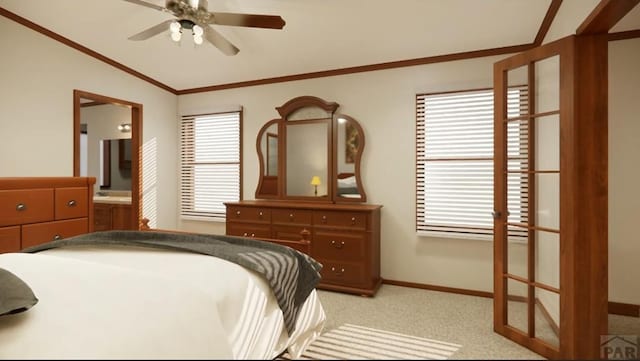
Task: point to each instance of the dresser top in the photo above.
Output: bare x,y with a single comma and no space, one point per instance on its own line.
306,205
7,183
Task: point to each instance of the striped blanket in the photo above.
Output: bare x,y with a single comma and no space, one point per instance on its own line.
292,275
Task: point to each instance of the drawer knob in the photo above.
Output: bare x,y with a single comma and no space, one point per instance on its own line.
253,234
337,245
291,215
260,214
57,237
237,213
353,220
21,207
324,219
245,234
71,203
336,272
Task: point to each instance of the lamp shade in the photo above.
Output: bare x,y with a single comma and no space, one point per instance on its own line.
315,181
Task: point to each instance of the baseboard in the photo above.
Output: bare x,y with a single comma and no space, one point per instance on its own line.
461,291
624,309
615,308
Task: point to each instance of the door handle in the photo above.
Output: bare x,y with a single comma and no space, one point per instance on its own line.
498,214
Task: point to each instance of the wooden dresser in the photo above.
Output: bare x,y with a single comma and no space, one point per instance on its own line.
36,210
345,238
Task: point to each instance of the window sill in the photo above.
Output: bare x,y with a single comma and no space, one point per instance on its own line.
474,237
202,218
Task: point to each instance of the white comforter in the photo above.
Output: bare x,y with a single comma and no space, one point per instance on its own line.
130,302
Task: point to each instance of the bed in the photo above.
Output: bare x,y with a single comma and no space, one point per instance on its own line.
347,186
99,297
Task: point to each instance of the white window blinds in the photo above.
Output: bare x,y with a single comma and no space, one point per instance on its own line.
209,163
454,145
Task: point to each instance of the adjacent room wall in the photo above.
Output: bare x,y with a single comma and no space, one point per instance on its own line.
38,76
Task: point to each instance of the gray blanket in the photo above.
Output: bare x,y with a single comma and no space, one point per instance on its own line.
292,275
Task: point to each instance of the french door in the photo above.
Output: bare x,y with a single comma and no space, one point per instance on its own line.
549,247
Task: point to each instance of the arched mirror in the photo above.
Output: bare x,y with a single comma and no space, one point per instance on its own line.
107,137
310,153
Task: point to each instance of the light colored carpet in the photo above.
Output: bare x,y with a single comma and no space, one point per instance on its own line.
459,319
354,342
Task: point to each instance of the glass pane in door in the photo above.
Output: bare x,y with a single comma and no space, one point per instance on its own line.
547,84
547,200
547,260
517,314
547,142
547,316
517,248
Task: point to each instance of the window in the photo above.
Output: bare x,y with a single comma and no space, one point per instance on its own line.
209,163
454,162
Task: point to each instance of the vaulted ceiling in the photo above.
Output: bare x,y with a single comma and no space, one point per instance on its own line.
319,35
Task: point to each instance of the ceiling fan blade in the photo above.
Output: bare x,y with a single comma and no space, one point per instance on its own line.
250,20
154,30
219,41
149,5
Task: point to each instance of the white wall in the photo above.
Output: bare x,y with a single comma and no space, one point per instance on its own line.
38,76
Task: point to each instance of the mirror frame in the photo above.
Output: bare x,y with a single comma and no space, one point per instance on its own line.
275,186
136,141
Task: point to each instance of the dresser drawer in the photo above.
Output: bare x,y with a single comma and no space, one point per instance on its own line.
71,202
249,214
25,206
354,220
248,230
291,216
290,233
34,234
297,245
347,274
336,246
10,239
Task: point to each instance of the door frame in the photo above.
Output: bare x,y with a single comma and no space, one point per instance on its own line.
583,117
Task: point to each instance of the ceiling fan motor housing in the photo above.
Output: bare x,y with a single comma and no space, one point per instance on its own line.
183,9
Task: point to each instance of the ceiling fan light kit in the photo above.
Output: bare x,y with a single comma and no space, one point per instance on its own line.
175,29
194,15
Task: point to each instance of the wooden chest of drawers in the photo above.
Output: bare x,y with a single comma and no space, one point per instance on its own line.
345,238
35,210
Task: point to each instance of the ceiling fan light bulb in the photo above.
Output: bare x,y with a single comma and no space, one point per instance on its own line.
176,36
197,30
197,39
175,27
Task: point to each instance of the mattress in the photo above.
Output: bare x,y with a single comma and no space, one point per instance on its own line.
117,302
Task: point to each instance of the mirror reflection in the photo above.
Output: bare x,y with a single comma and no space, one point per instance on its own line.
307,152
272,154
115,164
105,145
348,145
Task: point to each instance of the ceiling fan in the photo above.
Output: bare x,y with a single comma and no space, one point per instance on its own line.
194,15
